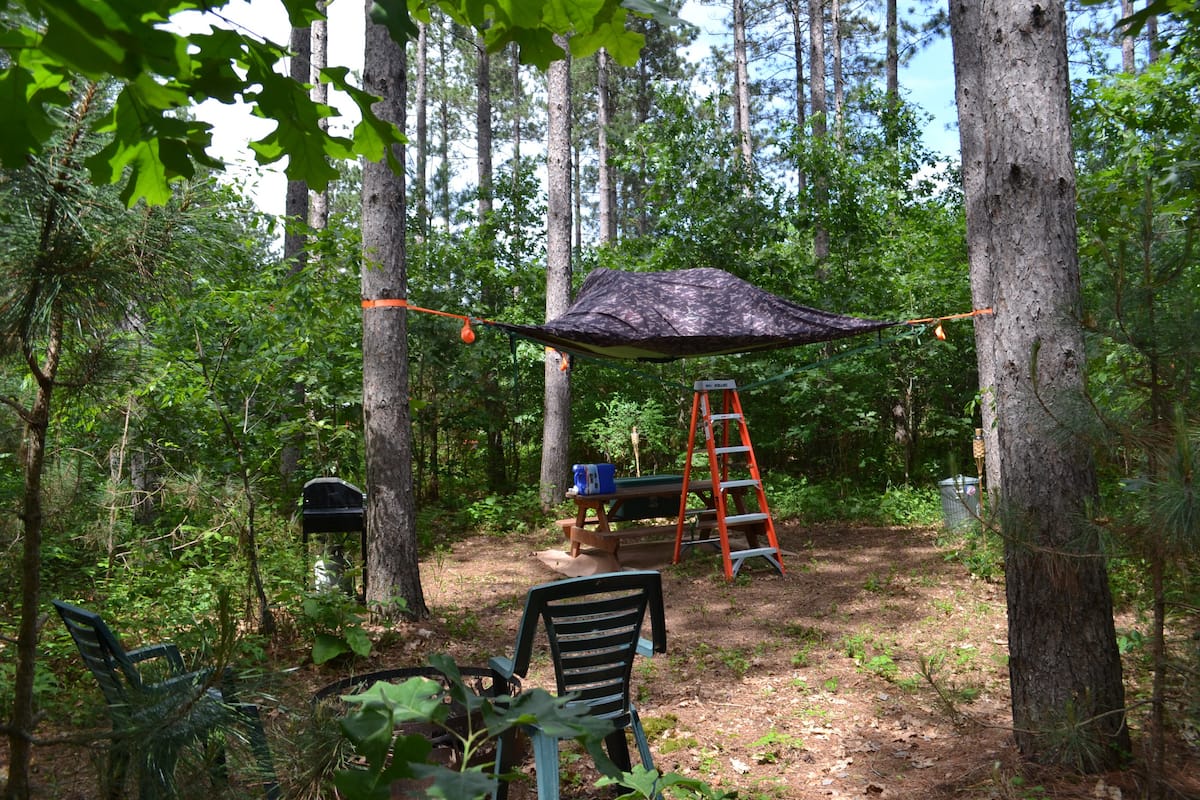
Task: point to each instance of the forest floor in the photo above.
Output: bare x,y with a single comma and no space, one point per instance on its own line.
805,685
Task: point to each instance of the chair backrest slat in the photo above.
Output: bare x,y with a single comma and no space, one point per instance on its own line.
103,655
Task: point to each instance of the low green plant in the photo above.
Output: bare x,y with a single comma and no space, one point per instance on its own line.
978,549
336,624
772,745
388,756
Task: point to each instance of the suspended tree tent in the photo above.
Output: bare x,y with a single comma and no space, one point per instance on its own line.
660,316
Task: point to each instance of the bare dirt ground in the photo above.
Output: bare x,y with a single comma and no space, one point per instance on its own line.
805,685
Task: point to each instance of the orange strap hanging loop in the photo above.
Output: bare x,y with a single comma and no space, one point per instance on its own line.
976,313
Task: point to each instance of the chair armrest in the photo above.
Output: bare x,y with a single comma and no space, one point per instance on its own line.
185,680
502,666
165,650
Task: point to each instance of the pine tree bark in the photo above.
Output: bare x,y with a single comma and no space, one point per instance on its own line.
421,102
742,84
839,80
817,86
968,74
1064,668
556,426
392,567
793,7
295,210
37,424
605,187
483,127
892,69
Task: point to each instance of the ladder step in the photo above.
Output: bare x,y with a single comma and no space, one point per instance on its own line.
738,484
745,519
737,448
771,554
723,417
757,551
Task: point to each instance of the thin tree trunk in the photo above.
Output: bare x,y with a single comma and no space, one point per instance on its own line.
295,237
640,211
392,565
318,210
444,140
839,81
801,100
1064,668
483,127
892,70
1152,37
37,423
816,66
576,201
518,94
421,101
1127,42
742,85
557,419
606,188
968,74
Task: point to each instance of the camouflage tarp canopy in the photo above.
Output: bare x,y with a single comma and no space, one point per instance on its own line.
659,316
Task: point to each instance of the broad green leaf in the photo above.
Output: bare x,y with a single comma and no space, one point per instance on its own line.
393,15
327,646
359,642
27,124
370,731
361,784
451,784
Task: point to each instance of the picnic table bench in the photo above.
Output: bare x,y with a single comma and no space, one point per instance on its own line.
603,521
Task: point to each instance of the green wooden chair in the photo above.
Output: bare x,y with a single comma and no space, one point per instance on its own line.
154,718
593,625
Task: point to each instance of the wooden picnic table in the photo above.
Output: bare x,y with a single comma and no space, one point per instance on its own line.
603,521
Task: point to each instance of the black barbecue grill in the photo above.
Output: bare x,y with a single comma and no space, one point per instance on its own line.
331,505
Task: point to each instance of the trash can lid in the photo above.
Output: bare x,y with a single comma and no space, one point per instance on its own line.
959,480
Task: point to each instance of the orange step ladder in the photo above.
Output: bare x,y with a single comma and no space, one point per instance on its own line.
729,458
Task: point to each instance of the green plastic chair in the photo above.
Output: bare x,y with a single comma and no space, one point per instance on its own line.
153,720
593,625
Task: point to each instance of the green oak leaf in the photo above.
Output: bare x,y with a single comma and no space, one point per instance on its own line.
393,15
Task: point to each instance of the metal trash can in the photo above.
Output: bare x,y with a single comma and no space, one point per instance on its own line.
960,500
333,506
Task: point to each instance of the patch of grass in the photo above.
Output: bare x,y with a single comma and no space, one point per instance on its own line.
674,744
656,726
883,666
770,747
879,585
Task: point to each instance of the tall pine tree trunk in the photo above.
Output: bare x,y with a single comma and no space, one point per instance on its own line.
892,70
742,85
1064,668
968,73
295,237
421,102
556,426
793,7
37,423
392,567
816,66
839,80
606,187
